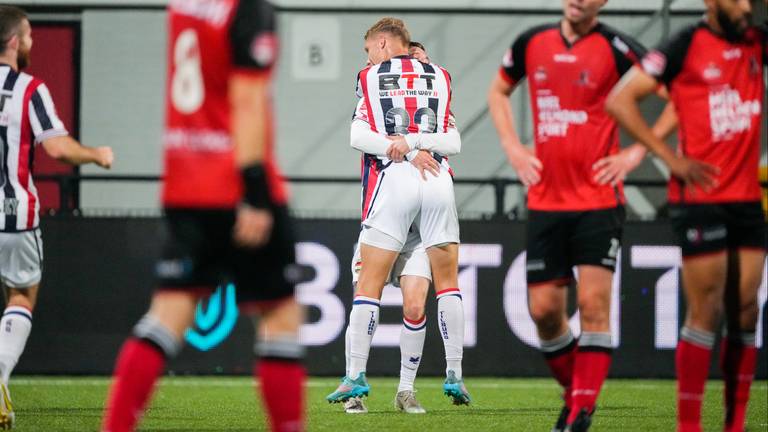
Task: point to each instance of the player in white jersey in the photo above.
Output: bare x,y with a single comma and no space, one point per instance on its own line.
406,108
27,118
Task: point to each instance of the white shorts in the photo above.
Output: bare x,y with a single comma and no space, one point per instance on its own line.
21,258
403,199
412,261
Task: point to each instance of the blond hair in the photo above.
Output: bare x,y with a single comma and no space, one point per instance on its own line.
393,26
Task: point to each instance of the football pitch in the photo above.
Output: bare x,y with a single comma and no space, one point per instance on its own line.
500,404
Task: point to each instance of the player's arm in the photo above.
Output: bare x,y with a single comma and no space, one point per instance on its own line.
250,114
66,149
407,147
613,169
624,104
363,139
512,71
49,130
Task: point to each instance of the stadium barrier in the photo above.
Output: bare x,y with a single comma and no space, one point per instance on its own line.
99,275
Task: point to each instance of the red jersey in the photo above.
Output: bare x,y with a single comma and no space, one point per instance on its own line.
209,42
717,88
568,86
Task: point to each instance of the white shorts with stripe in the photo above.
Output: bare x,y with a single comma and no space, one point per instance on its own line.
402,199
412,261
21,258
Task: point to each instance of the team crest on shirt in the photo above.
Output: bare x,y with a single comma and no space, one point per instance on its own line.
712,72
264,49
584,80
654,63
507,61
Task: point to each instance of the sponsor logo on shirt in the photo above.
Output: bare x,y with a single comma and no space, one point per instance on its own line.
728,114
214,11
264,49
565,58
732,54
553,121
540,75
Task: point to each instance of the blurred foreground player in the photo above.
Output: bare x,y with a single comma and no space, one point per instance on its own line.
225,209
714,72
27,118
575,193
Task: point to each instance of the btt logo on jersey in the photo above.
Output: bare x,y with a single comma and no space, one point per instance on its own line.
389,85
214,322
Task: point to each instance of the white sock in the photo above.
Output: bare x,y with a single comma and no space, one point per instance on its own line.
362,325
412,337
450,319
14,331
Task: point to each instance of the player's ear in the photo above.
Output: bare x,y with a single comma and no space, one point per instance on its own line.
13,42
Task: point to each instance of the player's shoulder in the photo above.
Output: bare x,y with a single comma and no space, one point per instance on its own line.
538,30
685,34
619,40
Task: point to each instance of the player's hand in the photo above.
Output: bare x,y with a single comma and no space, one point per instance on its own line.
253,226
526,164
398,149
614,169
104,157
426,163
694,173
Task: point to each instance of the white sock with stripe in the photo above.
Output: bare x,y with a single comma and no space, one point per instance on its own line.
450,319
412,337
362,325
15,327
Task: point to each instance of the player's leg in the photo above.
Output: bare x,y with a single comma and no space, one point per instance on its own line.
200,239
412,337
279,367
156,338
748,237
266,279
548,274
704,284
702,234
594,246
738,354
438,225
21,260
593,354
364,317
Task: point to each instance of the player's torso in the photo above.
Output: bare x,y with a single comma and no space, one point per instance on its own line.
568,85
18,195
199,160
718,95
405,96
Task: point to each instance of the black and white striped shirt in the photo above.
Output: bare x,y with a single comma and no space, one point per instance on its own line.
27,117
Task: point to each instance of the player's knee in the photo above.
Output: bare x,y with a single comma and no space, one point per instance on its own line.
22,298
284,317
413,311
546,315
748,314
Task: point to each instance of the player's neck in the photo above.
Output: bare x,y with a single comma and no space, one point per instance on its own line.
9,60
573,31
398,52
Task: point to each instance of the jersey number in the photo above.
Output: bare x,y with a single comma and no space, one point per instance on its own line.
397,119
187,89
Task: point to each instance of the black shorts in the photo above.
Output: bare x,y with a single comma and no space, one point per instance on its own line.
200,255
556,241
711,228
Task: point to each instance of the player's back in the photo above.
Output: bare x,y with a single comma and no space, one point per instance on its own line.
403,96
203,54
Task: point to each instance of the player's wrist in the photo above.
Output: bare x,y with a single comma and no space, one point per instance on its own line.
413,141
255,186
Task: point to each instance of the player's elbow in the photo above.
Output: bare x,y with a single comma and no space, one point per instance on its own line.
613,103
55,150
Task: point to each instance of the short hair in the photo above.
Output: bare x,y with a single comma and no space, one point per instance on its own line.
419,45
393,26
11,18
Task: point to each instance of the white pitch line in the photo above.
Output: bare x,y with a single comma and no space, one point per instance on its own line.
319,383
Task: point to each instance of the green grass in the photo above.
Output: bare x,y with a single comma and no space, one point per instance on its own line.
227,404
